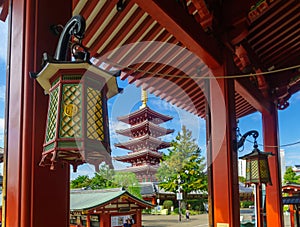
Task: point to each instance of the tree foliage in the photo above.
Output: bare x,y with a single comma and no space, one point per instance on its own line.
80,182
183,165
128,181
242,179
290,176
108,178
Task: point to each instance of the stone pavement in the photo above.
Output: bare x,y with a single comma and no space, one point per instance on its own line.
172,221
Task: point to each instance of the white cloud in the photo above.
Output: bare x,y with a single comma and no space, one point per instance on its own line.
3,35
1,124
115,125
1,132
2,92
82,170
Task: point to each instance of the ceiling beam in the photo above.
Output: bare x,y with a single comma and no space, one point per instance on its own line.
3,9
252,95
186,30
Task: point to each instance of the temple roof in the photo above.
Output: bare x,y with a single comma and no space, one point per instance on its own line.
145,141
168,47
138,154
90,199
149,126
151,115
291,188
136,169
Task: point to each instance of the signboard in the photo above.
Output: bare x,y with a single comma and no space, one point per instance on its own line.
222,225
179,196
119,220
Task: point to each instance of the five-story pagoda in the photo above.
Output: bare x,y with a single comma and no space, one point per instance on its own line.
144,143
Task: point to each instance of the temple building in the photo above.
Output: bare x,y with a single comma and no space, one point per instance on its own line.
144,144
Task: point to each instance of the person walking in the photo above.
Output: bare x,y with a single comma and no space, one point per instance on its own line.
187,215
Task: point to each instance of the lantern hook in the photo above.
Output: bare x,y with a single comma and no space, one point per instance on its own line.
242,140
76,27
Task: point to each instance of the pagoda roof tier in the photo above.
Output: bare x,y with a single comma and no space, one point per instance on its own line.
142,143
136,169
144,114
147,127
138,154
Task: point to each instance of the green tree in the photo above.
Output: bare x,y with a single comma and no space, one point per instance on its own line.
99,181
290,176
242,179
128,181
184,166
108,178
80,182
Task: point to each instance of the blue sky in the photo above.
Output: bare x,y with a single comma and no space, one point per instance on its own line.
3,52
129,101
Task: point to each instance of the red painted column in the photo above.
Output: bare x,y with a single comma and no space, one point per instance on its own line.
105,220
88,220
33,192
138,219
153,201
292,215
222,168
273,192
259,211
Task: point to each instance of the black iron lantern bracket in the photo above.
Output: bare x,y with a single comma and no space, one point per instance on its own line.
75,27
243,138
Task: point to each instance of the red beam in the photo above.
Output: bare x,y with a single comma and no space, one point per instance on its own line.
4,9
251,94
185,29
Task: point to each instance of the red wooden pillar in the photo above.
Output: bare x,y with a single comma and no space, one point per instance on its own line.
292,215
273,192
223,178
138,219
153,201
259,211
88,220
105,220
33,193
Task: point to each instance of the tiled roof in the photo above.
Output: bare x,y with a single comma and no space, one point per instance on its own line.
135,169
291,200
148,188
145,111
88,199
139,154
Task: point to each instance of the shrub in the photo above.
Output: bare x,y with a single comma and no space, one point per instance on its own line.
168,204
246,204
176,210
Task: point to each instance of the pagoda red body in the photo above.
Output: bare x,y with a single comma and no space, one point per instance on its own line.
144,145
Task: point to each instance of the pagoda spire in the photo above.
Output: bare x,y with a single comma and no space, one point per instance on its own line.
144,97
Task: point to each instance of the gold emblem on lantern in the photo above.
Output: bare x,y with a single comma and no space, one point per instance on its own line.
70,110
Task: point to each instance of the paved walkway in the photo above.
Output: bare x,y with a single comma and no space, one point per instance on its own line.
172,221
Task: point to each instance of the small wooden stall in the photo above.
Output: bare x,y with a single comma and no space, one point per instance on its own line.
293,200
105,208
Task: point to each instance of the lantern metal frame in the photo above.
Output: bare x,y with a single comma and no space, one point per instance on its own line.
88,88
256,159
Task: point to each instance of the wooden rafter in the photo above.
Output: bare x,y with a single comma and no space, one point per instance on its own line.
185,29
